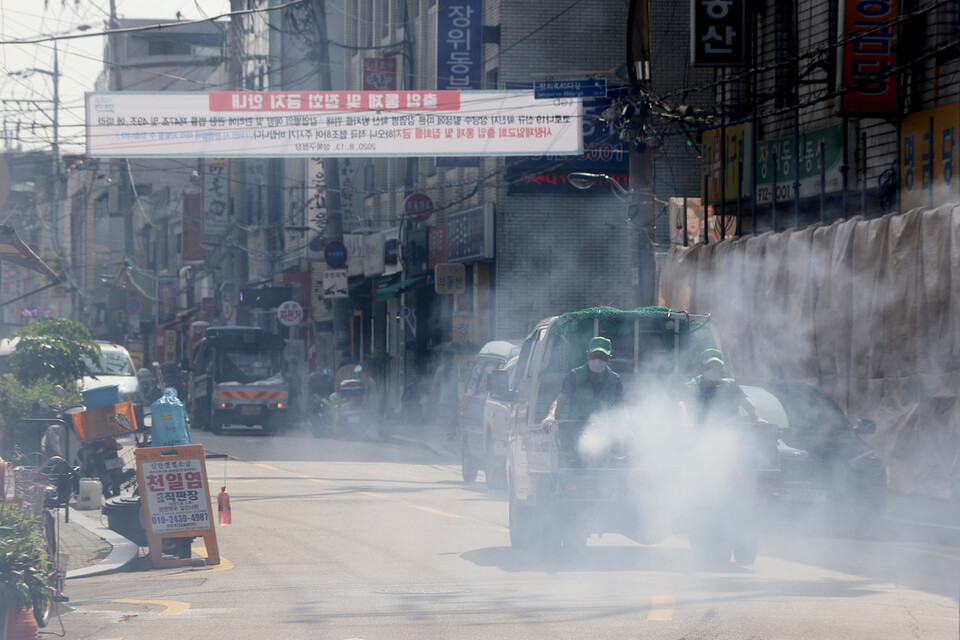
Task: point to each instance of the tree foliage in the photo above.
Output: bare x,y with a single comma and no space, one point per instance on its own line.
53,349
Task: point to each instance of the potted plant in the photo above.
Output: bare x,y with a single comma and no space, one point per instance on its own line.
23,557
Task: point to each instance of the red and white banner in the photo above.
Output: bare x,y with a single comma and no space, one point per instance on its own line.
338,123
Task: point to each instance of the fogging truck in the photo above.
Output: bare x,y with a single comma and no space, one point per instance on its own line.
237,378
558,496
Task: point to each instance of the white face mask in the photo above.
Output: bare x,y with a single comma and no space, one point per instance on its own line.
597,365
712,376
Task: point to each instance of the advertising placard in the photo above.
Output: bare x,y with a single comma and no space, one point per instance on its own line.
290,313
470,234
436,245
345,124
176,499
809,158
928,157
449,278
717,33
867,57
723,150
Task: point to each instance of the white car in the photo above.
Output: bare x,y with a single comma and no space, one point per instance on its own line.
116,367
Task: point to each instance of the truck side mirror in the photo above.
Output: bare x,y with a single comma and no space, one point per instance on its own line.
498,382
865,427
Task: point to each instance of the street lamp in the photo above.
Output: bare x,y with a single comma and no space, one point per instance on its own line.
583,180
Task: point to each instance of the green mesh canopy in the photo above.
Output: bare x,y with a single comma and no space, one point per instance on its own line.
570,332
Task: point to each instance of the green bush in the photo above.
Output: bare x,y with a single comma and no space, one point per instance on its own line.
23,556
53,349
17,397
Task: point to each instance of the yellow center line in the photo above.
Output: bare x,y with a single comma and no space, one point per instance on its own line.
371,493
265,466
661,609
439,513
171,607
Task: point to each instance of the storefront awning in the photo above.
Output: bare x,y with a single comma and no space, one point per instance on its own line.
392,291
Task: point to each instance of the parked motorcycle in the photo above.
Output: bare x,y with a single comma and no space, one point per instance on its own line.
349,414
320,411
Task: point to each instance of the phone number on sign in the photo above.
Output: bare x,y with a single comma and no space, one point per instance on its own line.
181,519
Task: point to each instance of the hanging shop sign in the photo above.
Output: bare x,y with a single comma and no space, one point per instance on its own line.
724,151
216,194
436,245
470,234
290,313
191,232
418,207
449,278
379,74
779,157
345,124
460,44
335,283
928,157
372,254
870,89
354,244
717,33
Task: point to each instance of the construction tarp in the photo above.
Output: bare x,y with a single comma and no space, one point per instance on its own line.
868,310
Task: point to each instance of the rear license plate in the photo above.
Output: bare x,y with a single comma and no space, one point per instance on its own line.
250,410
113,463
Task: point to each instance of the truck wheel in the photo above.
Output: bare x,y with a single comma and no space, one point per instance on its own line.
468,466
496,472
521,524
199,418
216,424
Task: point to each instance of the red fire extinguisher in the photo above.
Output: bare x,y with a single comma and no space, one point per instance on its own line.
223,506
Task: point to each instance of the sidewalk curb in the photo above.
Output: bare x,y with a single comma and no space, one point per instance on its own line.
929,533
122,553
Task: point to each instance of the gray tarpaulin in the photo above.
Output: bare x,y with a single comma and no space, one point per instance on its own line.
869,310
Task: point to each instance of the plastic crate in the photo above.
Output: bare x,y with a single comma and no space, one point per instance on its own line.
98,397
94,424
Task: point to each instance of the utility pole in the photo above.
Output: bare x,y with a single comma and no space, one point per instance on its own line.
641,155
116,83
331,179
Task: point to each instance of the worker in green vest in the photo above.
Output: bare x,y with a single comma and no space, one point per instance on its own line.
589,388
713,397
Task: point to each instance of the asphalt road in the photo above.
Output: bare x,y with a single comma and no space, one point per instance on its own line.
338,539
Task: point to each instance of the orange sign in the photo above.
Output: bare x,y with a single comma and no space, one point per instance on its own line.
176,500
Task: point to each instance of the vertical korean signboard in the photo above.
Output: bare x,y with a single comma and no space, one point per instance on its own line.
216,195
928,157
867,58
459,55
725,151
717,33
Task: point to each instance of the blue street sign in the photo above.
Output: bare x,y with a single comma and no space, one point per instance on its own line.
570,89
335,254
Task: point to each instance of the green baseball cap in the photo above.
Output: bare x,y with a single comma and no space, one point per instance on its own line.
599,344
711,355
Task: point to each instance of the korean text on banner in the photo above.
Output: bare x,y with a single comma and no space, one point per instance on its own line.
928,157
347,124
868,57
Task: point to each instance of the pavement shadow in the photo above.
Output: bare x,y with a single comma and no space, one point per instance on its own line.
592,558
